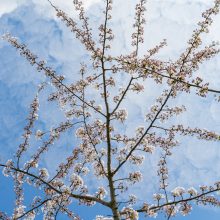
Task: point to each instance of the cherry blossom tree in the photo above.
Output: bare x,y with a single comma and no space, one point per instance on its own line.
94,110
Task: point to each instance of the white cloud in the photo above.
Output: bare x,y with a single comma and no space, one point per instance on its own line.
8,6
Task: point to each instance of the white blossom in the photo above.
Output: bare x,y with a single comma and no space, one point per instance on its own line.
178,191
192,191
30,216
158,196
129,213
39,134
76,180
101,193
121,115
80,132
44,173
135,177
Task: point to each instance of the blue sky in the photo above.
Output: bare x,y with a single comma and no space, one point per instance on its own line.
35,24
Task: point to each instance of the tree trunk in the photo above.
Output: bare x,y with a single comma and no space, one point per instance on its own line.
115,212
